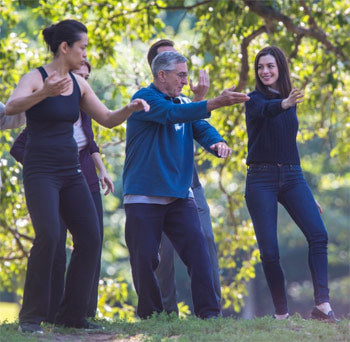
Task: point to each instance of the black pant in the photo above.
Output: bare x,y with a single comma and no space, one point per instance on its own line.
59,268
180,222
48,197
92,305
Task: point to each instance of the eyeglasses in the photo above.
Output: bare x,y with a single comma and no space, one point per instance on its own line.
182,75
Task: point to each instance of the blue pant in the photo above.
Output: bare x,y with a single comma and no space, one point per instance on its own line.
59,268
166,271
49,197
265,186
179,221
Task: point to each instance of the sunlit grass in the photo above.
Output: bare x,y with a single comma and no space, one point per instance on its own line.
8,312
164,328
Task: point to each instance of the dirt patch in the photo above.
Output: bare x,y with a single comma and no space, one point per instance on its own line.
90,337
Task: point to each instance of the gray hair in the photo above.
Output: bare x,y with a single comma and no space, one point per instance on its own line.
166,61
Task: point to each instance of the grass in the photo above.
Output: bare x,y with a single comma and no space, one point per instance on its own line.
8,312
164,328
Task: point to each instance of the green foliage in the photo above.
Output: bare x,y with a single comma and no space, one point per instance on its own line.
113,300
223,37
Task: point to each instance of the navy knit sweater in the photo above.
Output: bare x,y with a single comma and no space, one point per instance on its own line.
271,131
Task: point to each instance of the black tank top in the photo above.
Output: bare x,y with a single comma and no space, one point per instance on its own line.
50,146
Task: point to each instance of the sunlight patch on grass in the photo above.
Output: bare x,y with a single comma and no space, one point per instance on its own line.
8,312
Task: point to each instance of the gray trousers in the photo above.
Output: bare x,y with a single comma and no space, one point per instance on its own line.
165,272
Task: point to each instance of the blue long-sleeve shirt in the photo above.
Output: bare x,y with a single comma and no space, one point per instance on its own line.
159,145
271,131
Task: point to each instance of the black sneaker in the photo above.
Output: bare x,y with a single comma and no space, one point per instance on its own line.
30,328
93,326
321,316
84,324
212,316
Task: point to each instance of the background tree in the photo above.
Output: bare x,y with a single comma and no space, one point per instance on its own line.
222,36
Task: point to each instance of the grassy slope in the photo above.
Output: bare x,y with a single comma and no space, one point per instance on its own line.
171,329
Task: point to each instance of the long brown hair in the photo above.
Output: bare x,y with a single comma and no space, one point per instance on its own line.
284,85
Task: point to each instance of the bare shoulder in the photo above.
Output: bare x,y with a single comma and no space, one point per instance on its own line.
33,74
83,84
33,79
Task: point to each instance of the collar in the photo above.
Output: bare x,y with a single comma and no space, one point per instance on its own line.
153,87
167,97
273,90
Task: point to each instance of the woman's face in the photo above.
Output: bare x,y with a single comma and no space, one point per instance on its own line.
268,71
83,71
76,54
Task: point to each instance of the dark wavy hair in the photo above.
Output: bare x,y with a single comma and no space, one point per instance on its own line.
153,50
284,85
88,65
65,31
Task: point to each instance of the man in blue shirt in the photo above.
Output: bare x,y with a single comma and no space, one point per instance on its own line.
157,177
165,271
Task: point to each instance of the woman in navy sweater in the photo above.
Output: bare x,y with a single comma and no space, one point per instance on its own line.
274,175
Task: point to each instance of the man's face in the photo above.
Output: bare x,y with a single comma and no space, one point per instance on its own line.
175,80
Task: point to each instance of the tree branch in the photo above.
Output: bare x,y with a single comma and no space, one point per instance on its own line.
123,12
268,13
307,11
294,53
184,7
17,236
243,76
14,258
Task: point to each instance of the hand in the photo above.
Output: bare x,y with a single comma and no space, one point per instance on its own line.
221,149
54,88
201,89
230,97
227,98
295,96
106,180
138,104
319,207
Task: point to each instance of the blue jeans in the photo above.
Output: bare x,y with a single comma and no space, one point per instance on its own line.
265,186
165,272
180,222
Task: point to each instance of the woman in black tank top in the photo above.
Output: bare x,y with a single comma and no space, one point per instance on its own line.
52,97
50,146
